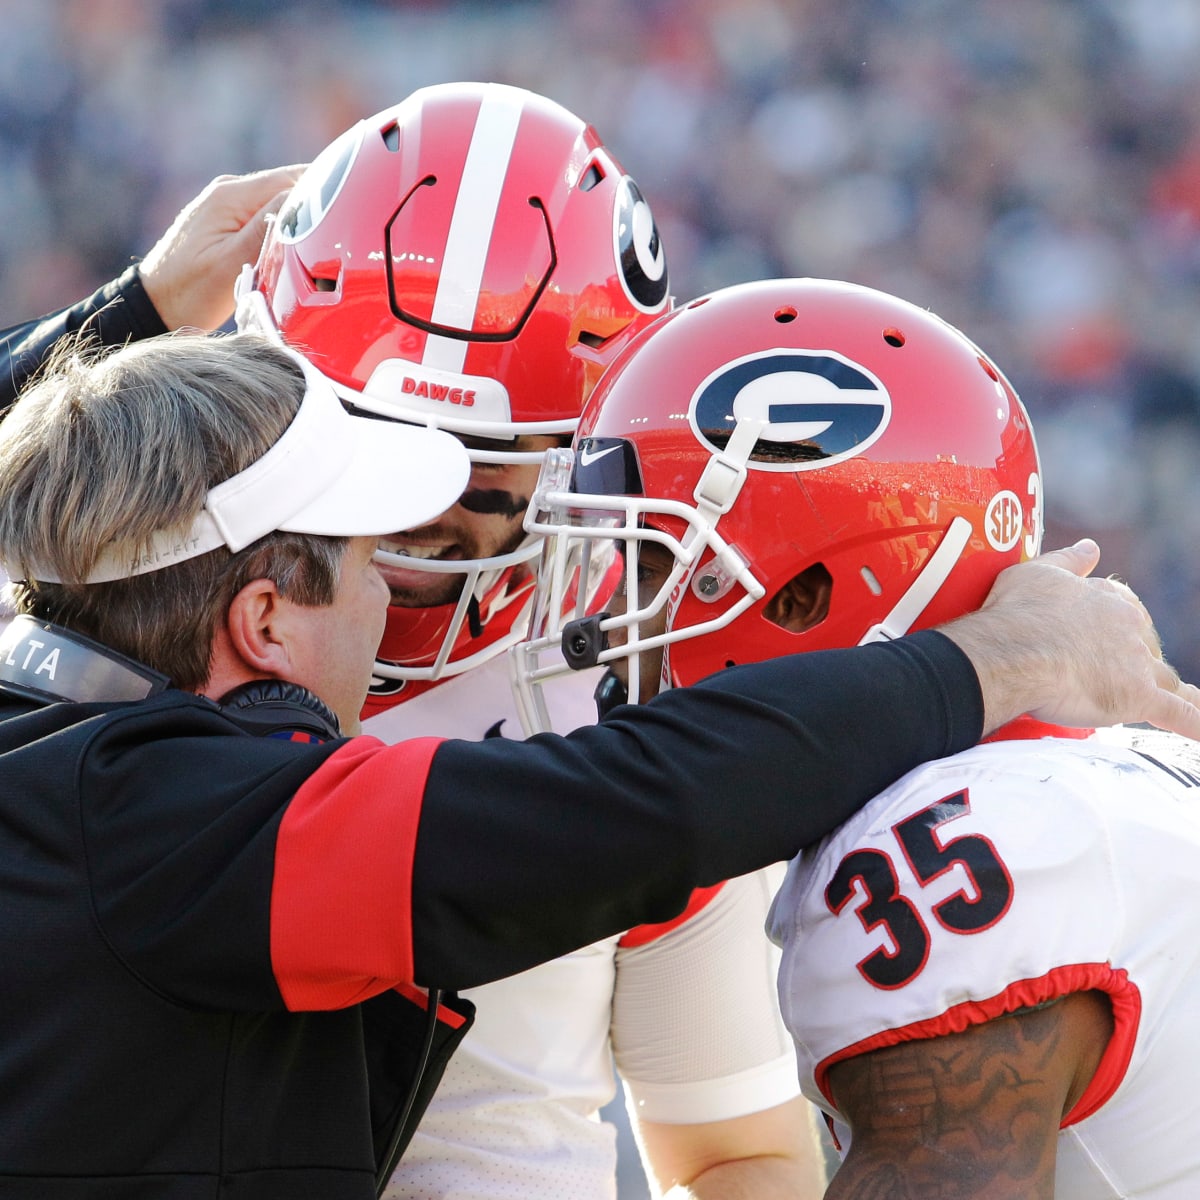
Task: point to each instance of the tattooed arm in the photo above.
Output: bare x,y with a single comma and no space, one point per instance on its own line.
968,1116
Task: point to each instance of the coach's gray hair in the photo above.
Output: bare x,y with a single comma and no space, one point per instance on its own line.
107,448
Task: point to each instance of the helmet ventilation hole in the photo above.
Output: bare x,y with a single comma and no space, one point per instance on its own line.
872,582
592,177
989,370
391,137
594,341
785,314
894,337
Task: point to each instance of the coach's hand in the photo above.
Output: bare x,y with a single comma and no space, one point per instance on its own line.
190,273
1072,650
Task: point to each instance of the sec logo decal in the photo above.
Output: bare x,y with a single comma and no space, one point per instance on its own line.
1003,521
819,407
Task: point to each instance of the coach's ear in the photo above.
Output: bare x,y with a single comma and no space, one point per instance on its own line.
803,601
258,626
251,641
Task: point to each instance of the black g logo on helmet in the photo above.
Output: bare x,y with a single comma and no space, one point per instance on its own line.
819,407
641,260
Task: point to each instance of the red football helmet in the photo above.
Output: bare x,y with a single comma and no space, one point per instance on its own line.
771,430
471,258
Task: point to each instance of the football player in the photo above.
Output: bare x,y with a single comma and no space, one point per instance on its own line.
990,973
472,259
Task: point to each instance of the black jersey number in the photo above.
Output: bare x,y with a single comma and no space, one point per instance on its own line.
969,910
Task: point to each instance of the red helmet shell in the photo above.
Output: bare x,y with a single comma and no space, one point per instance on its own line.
473,255
470,258
882,425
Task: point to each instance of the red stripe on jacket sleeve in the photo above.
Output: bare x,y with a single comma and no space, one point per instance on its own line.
341,897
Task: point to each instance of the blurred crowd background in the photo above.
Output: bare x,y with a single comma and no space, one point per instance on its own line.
1030,169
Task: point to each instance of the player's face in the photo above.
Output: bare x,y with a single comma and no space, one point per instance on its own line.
485,522
655,563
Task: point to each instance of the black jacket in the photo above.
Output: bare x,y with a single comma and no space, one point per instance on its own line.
199,924
116,313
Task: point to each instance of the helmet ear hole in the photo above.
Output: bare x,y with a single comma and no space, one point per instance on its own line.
803,602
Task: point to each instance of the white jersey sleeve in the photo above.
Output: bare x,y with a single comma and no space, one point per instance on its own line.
696,1030
942,903
1004,877
688,1011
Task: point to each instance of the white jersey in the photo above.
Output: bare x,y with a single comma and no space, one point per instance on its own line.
686,1010
1003,877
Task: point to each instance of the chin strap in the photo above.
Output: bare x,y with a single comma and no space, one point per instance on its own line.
922,589
610,693
47,663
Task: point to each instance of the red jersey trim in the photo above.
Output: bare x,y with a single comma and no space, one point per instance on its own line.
643,935
1123,994
1029,729
341,897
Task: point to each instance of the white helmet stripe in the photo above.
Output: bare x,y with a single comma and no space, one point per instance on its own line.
473,223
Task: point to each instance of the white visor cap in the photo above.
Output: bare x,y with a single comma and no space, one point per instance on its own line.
329,473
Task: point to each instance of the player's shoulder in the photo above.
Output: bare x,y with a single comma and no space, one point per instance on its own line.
993,775
937,893
1039,808
1014,772
1151,748
476,705
1038,798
